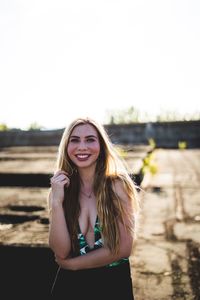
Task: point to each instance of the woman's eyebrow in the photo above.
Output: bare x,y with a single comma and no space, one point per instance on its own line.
87,136
75,136
91,136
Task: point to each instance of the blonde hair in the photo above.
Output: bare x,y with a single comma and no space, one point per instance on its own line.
109,167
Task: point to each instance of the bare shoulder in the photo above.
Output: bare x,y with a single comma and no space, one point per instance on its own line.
119,189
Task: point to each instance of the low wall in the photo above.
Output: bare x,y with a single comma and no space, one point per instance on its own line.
165,134
27,272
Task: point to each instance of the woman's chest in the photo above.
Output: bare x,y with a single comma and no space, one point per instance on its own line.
87,218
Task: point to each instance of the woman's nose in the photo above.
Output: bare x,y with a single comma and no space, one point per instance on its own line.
82,145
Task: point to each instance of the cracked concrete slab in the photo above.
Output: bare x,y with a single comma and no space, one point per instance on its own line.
166,259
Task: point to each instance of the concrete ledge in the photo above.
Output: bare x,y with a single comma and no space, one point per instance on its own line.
165,134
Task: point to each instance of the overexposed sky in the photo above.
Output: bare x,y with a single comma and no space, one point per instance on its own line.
62,59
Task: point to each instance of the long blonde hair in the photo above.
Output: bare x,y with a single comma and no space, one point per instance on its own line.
109,167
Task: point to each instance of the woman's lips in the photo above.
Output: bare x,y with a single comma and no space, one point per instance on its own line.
82,157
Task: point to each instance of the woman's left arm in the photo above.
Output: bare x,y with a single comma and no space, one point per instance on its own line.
99,257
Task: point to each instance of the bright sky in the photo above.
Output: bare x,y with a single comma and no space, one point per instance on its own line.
62,59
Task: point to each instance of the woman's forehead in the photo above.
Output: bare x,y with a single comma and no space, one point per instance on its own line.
84,130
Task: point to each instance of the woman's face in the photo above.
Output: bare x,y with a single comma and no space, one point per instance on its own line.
84,146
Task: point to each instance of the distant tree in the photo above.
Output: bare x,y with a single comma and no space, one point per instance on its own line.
123,116
35,126
3,127
134,115
172,115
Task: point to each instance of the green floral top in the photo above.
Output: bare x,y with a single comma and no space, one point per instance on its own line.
84,248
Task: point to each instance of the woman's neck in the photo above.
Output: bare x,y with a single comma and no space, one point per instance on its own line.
87,178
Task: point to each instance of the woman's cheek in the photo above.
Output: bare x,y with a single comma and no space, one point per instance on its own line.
97,148
70,151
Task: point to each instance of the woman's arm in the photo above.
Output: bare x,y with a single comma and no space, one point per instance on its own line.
59,239
99,257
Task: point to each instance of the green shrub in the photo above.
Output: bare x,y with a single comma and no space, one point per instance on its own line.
182,145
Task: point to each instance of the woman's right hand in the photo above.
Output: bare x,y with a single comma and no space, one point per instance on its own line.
58,181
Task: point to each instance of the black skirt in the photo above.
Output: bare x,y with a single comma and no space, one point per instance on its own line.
105,283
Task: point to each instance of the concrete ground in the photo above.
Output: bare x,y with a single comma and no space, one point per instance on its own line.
166,256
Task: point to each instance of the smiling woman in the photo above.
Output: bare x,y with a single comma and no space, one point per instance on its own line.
94,206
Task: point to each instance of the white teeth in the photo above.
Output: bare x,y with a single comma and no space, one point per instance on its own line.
82,155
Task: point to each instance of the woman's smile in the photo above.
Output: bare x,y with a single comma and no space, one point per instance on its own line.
82,157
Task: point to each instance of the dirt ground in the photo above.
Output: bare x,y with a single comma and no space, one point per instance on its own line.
165,263
166,256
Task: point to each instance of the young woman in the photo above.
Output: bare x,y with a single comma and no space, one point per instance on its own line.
93,211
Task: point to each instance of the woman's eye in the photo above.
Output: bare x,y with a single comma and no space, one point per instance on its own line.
90,140
74,140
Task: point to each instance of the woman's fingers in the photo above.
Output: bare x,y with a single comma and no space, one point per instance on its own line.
60,178
66,182
60,172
